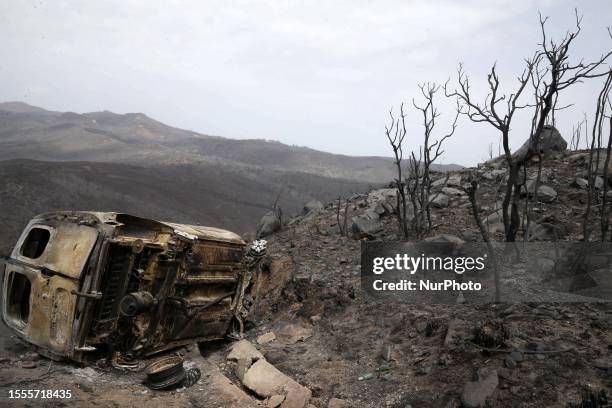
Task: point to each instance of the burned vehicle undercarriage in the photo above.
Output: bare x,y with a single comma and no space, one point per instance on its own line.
80,282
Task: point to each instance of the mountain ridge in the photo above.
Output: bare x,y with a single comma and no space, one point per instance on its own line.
105,132
131,163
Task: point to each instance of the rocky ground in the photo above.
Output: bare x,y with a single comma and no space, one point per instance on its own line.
315,337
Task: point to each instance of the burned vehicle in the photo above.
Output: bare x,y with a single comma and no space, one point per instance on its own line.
80,282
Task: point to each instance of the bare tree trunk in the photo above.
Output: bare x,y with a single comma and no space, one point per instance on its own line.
485,236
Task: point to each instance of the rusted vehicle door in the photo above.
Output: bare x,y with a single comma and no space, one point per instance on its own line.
42,277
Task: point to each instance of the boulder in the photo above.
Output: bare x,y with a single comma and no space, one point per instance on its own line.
599,183
297,396
550,141
475,393
494,174
244,350
452,191
578,158
439,200
312,207
269,224
546,194
439,182
581,182
275,401
365,226
267,381
382,194
371,214
383,200
454,180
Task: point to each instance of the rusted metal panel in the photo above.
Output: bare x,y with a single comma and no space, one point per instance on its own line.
122,283
48,321
68,248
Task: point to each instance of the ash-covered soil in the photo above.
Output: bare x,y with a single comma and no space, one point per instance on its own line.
353,352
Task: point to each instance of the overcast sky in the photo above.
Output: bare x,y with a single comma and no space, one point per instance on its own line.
321,74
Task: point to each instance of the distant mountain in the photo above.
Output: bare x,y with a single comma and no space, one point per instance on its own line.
132,163
33,133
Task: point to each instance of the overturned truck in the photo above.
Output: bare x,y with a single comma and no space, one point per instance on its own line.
80,282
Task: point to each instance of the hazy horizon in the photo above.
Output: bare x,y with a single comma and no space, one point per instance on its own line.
310,74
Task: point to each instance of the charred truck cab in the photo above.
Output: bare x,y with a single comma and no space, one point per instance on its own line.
79,282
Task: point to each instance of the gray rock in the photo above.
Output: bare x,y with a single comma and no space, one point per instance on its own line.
439,182
439,200
475,393
371,214
454,180
546,194
494,174
382,194
550,141
510,362
581,182
268,225
312,207
578,158
364,226
599,183
452,191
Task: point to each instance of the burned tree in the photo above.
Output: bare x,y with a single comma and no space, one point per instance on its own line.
414,185
604,105
418,183
489,112
396,132
549,72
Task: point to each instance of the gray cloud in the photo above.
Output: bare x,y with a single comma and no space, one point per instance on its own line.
315,73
